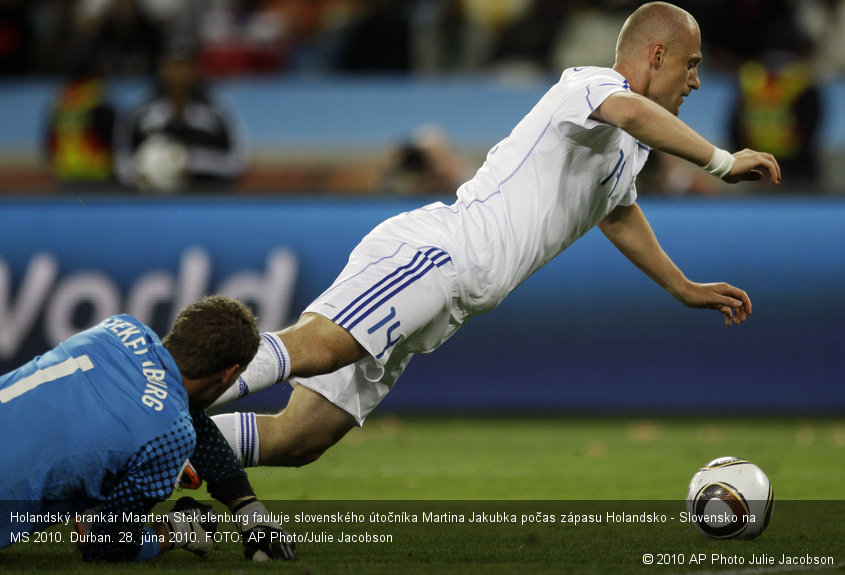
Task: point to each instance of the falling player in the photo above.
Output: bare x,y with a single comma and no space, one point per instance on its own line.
569,165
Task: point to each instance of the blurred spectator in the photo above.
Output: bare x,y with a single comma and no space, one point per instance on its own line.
378,39
447,38
525,44
824,22
425,164
778,110
588,33
741,30
16,38
123,38
245,36
58,37
317,34
80,126
179,139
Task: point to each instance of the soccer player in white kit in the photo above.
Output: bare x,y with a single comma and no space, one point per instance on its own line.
570,164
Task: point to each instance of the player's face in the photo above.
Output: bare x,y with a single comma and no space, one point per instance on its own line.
677,75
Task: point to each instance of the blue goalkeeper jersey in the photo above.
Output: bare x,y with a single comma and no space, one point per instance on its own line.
101,420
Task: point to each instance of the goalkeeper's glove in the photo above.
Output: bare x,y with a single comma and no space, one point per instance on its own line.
263,538
192,526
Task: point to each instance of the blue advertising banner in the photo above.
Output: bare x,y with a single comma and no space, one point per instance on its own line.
587,333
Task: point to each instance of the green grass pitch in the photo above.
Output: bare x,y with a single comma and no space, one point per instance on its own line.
528,479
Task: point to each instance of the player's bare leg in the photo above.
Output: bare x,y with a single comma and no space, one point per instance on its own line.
317,345
309,424
306,428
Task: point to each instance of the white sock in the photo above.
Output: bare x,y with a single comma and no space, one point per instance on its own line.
241,431
270,365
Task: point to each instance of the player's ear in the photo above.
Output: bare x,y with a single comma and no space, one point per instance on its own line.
230,374
656,54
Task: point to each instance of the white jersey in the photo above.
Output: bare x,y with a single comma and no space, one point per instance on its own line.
541,188
414,280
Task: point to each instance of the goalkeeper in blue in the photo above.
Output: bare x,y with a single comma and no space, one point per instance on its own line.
99,430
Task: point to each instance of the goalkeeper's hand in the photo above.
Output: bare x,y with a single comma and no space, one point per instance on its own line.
263,539
192,526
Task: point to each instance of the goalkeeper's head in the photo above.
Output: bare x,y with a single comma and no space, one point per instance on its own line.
212,342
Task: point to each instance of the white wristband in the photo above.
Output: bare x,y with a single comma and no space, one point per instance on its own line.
721,163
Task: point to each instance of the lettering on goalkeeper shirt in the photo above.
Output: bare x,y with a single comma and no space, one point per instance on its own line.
133,339
126,332
156,390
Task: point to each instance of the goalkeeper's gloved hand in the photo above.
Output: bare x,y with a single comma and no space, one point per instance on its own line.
263,538
192,526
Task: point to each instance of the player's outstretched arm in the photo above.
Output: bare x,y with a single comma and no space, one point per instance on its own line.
654,126
627,228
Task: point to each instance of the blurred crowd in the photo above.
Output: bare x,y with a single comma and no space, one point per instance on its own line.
125,37
779,52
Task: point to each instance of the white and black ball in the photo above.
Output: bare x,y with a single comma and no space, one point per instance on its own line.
730,498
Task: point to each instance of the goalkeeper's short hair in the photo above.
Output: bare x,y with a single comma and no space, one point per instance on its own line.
212,334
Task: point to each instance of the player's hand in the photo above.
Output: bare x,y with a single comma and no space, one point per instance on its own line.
192,526
732,302
263,538
750,166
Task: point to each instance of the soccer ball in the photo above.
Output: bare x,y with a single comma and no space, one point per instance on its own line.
730,498
161,164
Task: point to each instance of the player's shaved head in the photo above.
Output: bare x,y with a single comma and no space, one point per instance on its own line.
655,22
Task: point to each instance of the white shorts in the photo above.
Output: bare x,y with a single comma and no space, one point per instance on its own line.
396,300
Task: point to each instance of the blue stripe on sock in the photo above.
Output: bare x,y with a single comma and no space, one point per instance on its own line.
247,440
281,358
241,437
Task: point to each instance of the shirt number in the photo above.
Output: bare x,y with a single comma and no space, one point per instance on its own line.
46,375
